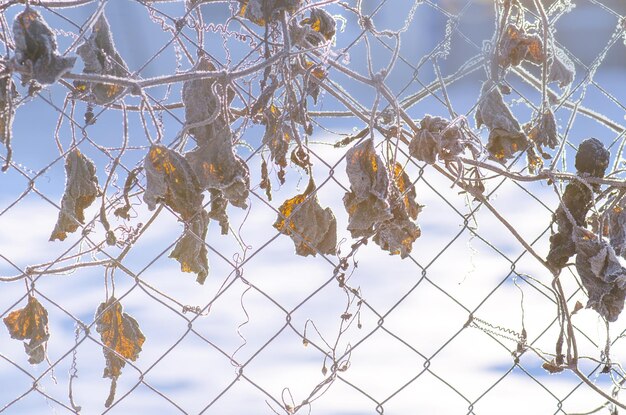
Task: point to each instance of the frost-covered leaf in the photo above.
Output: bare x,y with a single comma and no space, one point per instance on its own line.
577,199
277,136
601,274
367,201
217,167
121,338
617,227
544,132
262,11
218,210
30,323
516,45
398,233
562,69
203,105
190,251
321,22
592,158
171,180
436,138
312,228
505,137
8,93
81,189
36,49
101,57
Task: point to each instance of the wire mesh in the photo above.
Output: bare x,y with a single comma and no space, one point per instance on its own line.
468,322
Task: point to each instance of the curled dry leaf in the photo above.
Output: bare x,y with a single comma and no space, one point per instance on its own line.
30,323
321,22
367,201
171,180
262,11
544,132
398,233
562,69
36,49
190,251
552,367
505,137
312,228
592,158
617,227
81,189
214,161
577,200
436,138
277,136
8,93
516,45
217,167
121,338
601,274
101,57
218,210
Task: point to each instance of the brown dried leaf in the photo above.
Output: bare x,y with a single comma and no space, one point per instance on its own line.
190,251
544,132
601,273
81,189
101,57
217,167
516,45
436,137
121,337
312,228
592,158
277,136
262,11
203,105
218,210
36,49
171,180
617,227
505,137
321,22
562,69
30,323
552,367
367,201
398,233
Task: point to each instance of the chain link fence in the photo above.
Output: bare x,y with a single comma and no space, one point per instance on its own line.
156,187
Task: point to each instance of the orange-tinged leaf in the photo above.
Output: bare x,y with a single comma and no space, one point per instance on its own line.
312,228
121,337
190,251
30,323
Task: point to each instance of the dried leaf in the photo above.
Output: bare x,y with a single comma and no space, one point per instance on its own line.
312,228
121,337
266,183
592,158
262,11
30,323
505,137
544,133
398,233
190,251
8,95
171,180
218,210
81,189
277,136
36,49
300,158
577,307
321,22
516,45
203,105
101,57
577,199
617,227
367,201
601,274
436,138
562,69
552,367
217,167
